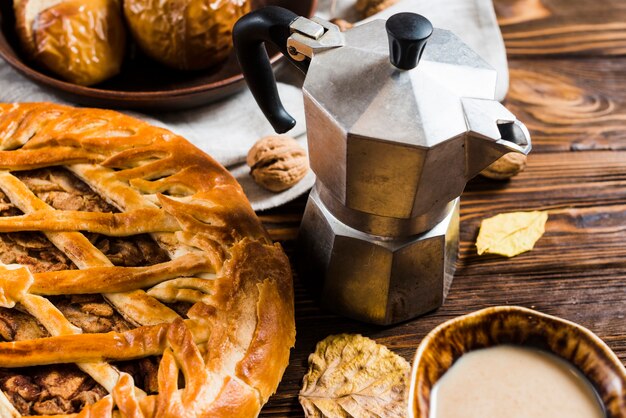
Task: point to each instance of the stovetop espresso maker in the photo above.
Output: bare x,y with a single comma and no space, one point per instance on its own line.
399,117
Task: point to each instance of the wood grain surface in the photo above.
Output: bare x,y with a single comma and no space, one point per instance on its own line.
568,84
570,104
538,28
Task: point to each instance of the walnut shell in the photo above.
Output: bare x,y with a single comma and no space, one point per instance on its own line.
505,167
277,162
184,34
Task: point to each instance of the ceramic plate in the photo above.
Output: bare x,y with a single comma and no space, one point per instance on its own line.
142,83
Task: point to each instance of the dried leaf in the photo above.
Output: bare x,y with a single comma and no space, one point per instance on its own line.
353,376
510,234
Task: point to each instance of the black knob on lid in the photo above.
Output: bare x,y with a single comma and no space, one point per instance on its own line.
408,33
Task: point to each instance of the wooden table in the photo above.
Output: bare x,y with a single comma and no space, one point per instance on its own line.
568,85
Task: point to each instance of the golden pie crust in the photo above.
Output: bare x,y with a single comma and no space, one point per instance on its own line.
221,355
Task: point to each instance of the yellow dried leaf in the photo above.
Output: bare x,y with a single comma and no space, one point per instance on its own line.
353,376
510,234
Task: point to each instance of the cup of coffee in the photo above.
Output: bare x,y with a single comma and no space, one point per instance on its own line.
515,362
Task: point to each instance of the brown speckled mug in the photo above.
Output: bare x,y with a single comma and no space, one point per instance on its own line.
523,327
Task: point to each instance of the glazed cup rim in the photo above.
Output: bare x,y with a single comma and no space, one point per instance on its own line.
484,314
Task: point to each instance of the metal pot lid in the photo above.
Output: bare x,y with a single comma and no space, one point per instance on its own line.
366,95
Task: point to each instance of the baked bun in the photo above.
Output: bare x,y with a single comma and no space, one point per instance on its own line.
80,41
184,34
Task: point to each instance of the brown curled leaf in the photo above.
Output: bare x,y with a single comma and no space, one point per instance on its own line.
353,376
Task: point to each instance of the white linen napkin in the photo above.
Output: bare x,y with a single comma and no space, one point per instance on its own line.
227,129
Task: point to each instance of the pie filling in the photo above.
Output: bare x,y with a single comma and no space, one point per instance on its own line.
65,389
50,390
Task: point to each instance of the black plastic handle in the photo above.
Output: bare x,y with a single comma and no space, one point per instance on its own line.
268,24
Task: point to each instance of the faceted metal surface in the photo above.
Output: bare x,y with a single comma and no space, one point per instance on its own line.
401,144
482,150
382,225
309,37
381,281
357,85
392,151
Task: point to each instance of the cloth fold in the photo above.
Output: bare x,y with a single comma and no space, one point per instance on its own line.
227,129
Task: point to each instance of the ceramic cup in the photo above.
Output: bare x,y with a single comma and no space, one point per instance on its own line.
517,326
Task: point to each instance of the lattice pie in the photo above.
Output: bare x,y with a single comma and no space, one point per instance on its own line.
136,281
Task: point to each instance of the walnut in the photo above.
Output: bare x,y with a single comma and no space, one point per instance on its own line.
505,167
370,7
343,25
277,162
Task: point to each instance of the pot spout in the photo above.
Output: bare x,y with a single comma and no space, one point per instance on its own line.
492,132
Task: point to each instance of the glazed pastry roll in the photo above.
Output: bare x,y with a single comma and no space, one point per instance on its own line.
80,41
185,34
